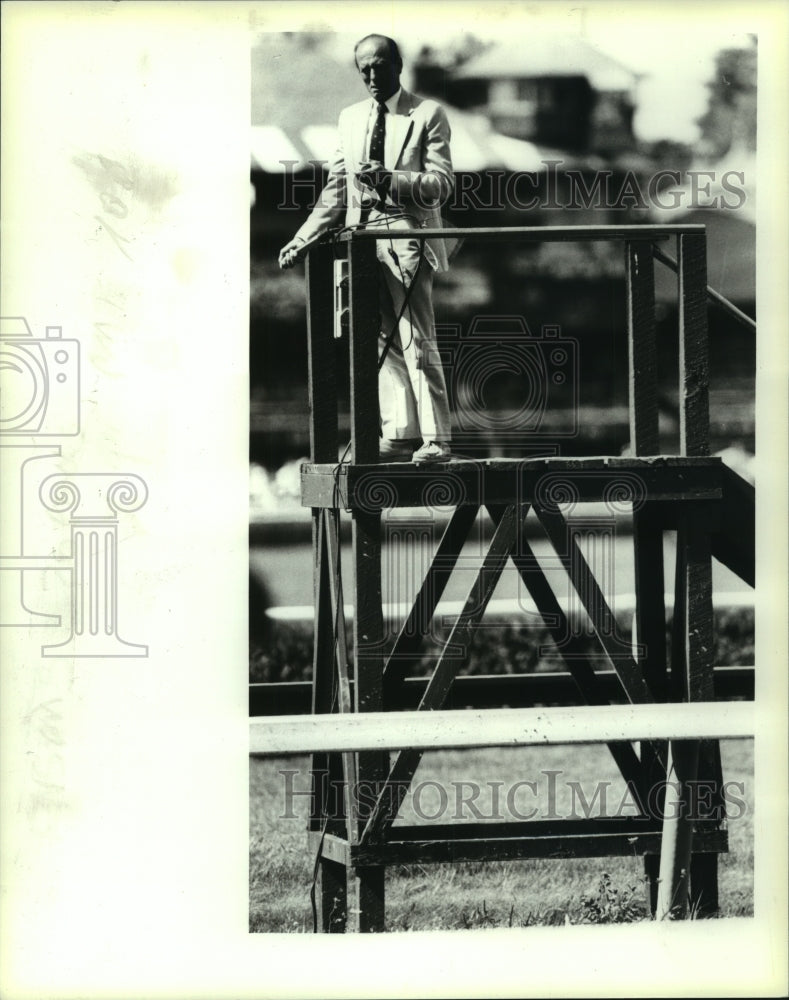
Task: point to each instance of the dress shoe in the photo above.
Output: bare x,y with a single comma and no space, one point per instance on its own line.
432,451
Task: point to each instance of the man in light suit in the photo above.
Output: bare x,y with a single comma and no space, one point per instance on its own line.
393,169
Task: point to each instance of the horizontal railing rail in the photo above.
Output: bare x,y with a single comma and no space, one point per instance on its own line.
466,729
533,234
712,295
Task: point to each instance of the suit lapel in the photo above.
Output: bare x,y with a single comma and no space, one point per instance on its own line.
401,124
356,132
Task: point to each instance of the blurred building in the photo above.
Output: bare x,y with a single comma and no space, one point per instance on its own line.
557,91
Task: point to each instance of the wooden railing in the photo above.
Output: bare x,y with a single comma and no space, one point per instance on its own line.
685,493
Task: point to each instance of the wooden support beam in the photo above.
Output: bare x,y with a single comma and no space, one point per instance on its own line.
423,845
321,355
692,676
535,234
642,349
684,480
677,839
448,665
593,601
365,327
417,623
344,697
331,888
452,730
572,651
366,906
694,372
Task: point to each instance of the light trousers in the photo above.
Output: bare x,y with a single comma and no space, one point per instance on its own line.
412,391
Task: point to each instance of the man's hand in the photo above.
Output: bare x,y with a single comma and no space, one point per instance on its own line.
374,175
289,254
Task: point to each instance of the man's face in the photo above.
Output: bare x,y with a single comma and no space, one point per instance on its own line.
381,76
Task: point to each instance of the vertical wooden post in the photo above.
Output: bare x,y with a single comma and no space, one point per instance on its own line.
365,326
367,884
321,355
695,440
331,894
676,842
642,348
693,655
694,410
649,623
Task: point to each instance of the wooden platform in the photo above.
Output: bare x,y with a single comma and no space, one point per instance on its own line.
504,480
431,843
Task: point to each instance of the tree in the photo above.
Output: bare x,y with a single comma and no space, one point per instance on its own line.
730,119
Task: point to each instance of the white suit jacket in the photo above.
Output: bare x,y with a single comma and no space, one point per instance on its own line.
418,157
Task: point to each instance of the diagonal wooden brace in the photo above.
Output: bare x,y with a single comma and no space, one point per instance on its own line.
575,658
418,621
594,602
345,704
461,635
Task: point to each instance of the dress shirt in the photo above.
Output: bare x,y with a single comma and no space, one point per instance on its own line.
391,107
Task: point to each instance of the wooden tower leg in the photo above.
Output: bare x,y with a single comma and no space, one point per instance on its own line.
327,773
326,815
693,622
366,909
677,839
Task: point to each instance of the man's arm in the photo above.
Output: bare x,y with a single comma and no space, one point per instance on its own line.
329,209
433,183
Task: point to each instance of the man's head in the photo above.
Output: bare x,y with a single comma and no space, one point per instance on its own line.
379,61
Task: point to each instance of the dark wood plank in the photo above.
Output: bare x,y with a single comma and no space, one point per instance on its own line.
697,600
344,695
417,623
692,680
365,325
699,641
331,897
694,415
446,669
642,349
537,234
594,602
323,687
499,480
735,543
367,915
492,848
321,355
572,651
367,884
650,613
676,842
651,654
703,884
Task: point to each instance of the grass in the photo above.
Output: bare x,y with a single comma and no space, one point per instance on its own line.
490,894
482,894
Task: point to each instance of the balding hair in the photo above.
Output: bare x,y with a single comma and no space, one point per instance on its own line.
391,44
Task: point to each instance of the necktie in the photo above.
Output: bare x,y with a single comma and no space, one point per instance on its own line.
379,135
